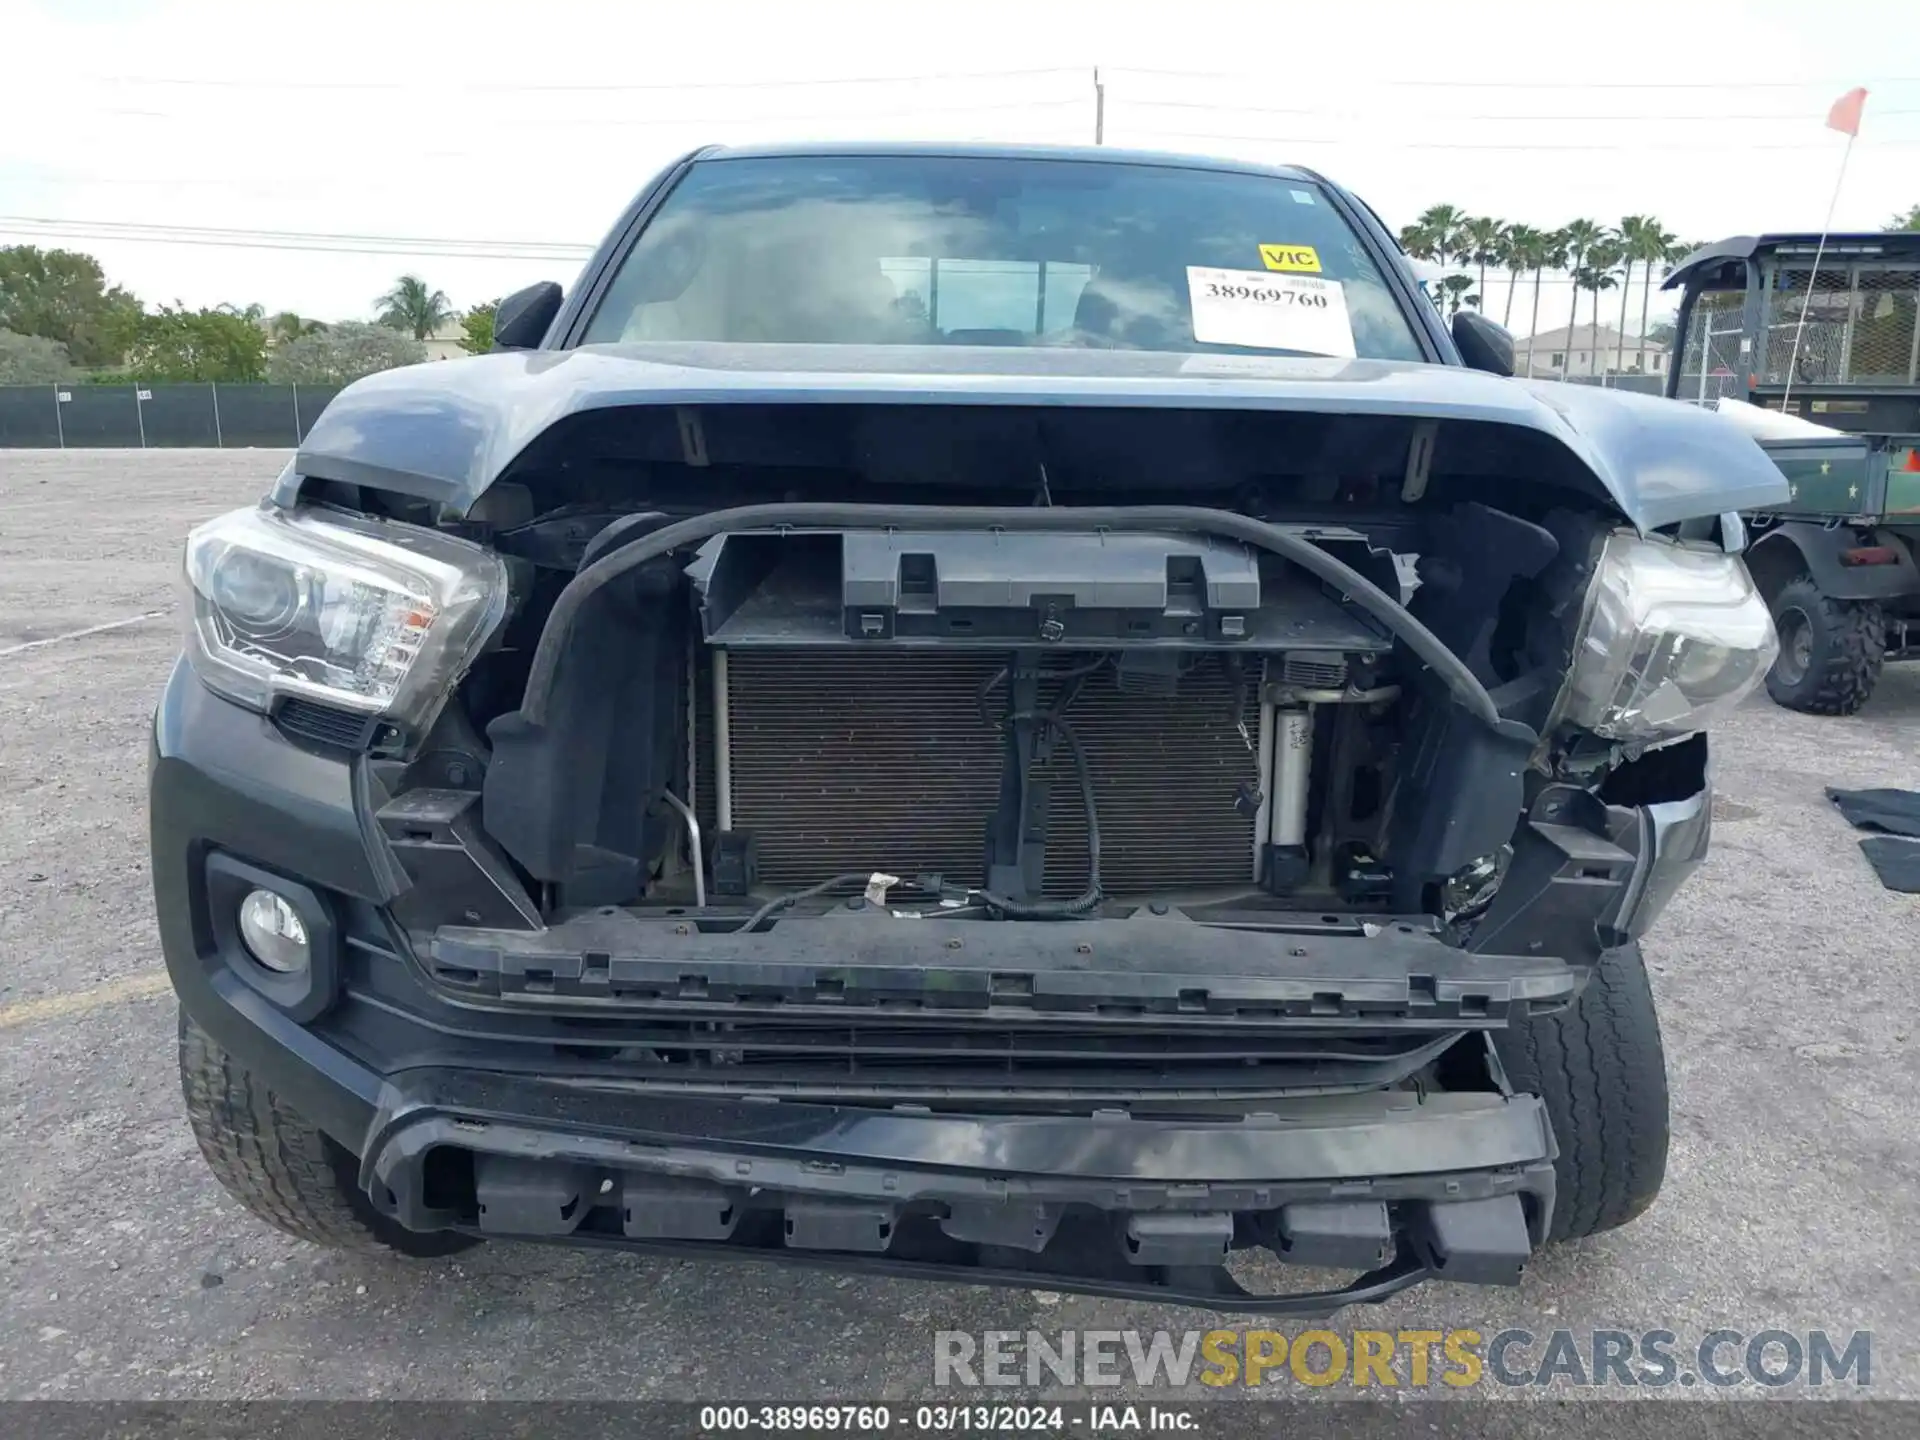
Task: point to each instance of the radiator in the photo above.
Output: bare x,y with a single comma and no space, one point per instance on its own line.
859,762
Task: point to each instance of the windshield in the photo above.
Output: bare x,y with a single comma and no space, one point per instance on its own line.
927,250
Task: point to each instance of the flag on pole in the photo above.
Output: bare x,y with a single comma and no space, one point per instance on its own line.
1845,114
1844,117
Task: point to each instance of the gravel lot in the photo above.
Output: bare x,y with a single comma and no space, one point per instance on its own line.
1785,979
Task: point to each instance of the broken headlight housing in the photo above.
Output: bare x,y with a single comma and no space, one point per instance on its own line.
1673,635
367,615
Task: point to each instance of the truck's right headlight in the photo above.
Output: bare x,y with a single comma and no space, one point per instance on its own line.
1673,634
368,615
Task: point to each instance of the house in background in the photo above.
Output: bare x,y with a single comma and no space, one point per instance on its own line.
444,343
1562,354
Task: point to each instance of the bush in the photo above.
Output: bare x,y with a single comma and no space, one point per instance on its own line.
30,360
174,345
341,354
477,325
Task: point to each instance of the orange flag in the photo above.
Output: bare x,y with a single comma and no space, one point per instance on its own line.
1845,114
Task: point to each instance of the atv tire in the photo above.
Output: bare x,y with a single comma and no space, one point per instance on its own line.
1601,1070
279,1166
1831,650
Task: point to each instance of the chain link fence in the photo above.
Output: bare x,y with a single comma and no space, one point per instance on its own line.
136,417
1711,361
1859,329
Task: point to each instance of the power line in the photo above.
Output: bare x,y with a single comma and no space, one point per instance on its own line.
510,87
1556,85
681,122
1216,105
1351,142
315,241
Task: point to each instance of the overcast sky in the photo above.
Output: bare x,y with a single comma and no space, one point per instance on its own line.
533,123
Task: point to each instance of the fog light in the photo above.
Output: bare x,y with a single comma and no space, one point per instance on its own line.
1473,886
273,932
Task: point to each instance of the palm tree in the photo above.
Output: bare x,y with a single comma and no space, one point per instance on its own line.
1483,242
1632,229
1597,275
1434,236
412,307
1453,289
1443,224
1546,250
1651,246
1522,240
288,326
1580,236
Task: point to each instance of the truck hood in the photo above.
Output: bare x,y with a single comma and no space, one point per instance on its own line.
446,431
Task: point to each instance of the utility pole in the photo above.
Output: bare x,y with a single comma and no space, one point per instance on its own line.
1099,109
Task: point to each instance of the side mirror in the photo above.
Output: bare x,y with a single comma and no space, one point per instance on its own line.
1482,344
522,320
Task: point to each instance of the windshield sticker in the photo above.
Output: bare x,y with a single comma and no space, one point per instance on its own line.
1297,259
1302,197
1265,311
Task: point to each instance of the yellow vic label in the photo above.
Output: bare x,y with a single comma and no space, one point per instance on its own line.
1295,258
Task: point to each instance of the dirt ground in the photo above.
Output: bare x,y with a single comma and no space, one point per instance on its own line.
1785,975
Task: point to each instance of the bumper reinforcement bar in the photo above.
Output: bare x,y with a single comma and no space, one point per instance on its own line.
1396,1185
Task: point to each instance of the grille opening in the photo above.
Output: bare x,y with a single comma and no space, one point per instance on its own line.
325,725
446,1182
933,1058
919,585
844,763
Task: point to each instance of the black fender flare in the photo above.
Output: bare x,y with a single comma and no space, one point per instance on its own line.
1778,554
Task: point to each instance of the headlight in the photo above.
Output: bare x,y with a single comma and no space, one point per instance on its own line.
1672,636
368,615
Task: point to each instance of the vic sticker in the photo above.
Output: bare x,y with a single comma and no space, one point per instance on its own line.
1296,259
1269,312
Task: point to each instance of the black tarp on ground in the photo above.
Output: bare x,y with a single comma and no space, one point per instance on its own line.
1895,860
1894,857
1895,811
28,419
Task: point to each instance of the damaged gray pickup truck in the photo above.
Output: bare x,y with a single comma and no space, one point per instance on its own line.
1012,716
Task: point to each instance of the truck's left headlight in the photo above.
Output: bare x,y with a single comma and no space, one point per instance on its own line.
368,615
1673,634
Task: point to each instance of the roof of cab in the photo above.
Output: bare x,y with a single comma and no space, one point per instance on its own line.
974,150
1903,243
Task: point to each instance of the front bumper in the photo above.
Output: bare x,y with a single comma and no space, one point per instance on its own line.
1400,1187
454,1129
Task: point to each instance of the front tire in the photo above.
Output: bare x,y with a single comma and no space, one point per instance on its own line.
1831,651
1601,1070
280,1167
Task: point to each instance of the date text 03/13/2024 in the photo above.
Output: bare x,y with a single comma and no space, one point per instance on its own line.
948,1419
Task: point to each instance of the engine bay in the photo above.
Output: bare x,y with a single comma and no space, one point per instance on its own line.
765,664
986,720
932,707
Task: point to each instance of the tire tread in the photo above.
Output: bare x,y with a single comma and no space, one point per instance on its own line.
1846,668
282,1168
1600,1068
